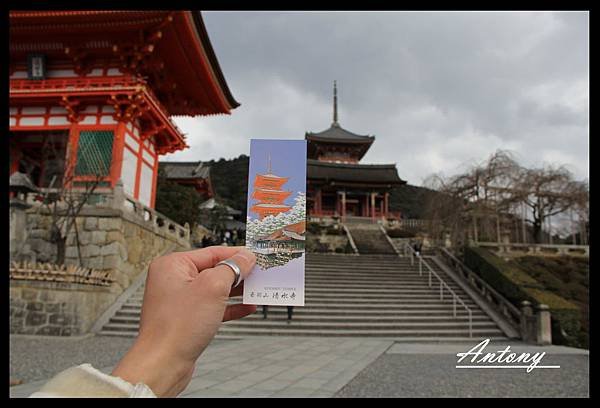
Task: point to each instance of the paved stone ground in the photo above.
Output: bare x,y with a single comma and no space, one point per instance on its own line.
354,367
271,366
35,358
411,370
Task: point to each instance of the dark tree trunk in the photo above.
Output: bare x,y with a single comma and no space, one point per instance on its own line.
537,231
59,241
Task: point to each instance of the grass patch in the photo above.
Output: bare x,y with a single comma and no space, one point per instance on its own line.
535,281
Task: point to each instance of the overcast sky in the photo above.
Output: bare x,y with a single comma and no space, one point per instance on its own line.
438,90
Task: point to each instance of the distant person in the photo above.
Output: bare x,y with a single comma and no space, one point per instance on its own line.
290,311
417,247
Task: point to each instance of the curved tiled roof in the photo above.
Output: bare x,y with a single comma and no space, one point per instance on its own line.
336,133
185,170
356,173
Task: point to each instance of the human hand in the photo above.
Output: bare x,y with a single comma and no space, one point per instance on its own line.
185,301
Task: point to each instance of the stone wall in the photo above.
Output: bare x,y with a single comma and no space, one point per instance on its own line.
55,308
108,239
119,235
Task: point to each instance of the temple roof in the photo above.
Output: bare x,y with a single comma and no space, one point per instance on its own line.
336,133
173,49
212,203
185,170
354,173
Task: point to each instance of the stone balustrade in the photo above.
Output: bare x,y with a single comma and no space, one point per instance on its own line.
533,326
515,249
156,220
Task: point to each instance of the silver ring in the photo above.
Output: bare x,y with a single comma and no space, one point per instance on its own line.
235,269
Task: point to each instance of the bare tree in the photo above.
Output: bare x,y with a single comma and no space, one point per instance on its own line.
549,191
484,199
63,204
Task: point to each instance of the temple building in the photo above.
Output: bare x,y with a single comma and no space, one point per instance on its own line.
338,185
192,174
92,94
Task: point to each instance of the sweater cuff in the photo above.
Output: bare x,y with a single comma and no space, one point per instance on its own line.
86,381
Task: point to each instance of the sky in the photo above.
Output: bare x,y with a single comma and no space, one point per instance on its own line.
439,90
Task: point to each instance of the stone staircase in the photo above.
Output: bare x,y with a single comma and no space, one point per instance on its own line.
354,296
369,239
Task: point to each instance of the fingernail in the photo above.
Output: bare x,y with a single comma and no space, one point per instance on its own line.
247,255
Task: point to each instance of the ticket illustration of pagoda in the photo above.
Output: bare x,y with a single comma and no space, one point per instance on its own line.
278,234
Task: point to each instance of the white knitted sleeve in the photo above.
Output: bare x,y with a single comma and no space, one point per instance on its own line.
86,381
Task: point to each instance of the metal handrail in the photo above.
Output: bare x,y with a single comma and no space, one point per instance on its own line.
443,284
506,307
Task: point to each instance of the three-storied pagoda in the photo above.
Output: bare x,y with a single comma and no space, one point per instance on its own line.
268,192
338,185
92,93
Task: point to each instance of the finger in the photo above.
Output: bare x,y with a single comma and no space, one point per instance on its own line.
237,291
237,311
221,277
208,257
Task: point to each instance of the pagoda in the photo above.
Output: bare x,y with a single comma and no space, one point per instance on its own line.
338,185
92,93
268,192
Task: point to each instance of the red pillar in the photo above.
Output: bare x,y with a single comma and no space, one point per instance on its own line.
319,202
117,157
71,155
154,179
372,205
386,205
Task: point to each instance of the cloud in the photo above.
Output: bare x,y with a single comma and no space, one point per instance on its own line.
438,90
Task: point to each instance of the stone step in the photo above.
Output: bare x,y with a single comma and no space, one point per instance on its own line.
341,283
361,267
373,307
374,326
345,299
357,289
256,318
461,338
369,274
388,297
385,299
117,333
393,295
334,280
381,296
438,333
347,330
400,340
393,291
309,312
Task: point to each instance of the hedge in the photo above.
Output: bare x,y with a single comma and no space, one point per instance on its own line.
400,233
516,285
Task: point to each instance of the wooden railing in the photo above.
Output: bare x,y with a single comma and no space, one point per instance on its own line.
59,273
75,83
